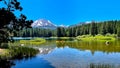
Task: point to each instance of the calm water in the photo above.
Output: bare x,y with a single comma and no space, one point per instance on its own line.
72,54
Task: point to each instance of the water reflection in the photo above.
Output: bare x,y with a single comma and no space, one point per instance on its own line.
101,66
71,54
71,58
93,46
6,64
36,62
45,50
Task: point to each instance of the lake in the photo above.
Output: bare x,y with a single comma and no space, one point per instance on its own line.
73,54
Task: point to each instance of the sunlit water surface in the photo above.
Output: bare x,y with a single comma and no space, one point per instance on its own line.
72,54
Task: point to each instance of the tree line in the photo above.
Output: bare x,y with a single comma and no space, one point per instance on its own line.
93,28
35,32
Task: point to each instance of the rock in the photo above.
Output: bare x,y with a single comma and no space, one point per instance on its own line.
21,44
107,42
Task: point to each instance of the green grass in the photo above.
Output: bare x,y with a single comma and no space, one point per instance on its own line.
22,51
99,38
14,50
4,53
18,52
35,41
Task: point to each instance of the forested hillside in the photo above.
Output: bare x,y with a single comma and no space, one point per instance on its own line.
94,28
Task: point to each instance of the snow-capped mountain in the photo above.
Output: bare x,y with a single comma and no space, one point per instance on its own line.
47,24
42,23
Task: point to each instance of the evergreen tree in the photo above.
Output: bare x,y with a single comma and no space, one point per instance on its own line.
118,29
9,22
93,29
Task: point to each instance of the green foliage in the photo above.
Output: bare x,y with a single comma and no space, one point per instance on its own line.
21,51
36,32
118,31
12,5
10,24
5,53
108,35
4,45
98,37
18,52
61,32
94,28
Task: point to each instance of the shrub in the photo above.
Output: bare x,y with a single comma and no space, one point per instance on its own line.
4,45
22,52
108,35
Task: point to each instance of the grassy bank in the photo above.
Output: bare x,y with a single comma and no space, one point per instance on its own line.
35,41
4,52
17,52
22,52
12,50
99,38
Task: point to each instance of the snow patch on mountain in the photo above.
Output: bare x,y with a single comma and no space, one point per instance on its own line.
63,26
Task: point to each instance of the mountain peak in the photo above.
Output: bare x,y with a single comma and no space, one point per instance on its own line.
47,24
43,23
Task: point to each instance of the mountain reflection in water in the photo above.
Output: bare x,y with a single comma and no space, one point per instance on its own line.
72,54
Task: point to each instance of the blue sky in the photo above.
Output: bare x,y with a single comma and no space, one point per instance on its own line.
70,12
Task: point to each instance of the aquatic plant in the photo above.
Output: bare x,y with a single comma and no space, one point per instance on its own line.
35,41
98,37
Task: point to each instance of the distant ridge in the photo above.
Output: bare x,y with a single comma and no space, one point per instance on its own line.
81,23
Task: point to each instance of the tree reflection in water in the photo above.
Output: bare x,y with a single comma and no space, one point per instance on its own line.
6,63
92,65
92,46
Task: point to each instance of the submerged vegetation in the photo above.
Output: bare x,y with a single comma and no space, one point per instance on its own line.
36,41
